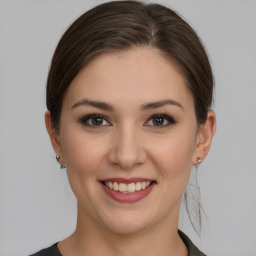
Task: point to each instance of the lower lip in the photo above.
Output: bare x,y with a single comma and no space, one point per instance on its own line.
128,197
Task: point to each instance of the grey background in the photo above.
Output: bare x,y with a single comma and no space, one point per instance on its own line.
37,207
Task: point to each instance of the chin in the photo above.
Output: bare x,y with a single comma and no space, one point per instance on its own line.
127,223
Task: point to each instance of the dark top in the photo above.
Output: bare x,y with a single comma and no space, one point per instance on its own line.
192,249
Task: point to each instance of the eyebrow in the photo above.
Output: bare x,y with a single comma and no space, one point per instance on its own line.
158,104
96,104
106,106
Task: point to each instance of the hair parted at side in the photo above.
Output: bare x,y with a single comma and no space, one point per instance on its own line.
121,25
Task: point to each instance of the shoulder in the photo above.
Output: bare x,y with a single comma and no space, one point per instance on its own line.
50,251
192,249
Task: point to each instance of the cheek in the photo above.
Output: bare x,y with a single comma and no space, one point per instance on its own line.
173,157
177,150
83,153
84,156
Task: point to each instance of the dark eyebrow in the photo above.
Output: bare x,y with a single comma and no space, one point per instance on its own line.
161,103
105,106
96,104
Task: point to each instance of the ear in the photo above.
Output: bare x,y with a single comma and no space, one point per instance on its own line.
204,137
54,135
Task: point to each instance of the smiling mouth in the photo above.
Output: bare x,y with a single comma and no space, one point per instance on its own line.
127,188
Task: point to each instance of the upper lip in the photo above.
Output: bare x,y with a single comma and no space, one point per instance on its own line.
127,180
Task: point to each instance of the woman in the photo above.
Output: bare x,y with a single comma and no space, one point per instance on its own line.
129,93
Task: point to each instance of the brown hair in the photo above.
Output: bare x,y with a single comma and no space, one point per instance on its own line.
120,25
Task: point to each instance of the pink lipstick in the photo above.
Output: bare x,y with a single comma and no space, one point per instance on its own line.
127,190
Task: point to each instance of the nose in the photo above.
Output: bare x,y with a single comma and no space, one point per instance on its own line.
127,149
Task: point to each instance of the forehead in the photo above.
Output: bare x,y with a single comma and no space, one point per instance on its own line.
141,74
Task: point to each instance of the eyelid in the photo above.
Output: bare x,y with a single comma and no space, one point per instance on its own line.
169,118
84,119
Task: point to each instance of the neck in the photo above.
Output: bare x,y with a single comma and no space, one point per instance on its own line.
91,238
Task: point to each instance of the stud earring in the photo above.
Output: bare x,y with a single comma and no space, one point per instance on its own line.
62,166
199,160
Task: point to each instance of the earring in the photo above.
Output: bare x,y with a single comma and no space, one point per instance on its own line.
198,162
62,166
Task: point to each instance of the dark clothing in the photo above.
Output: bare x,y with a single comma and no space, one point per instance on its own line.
192,249
50,251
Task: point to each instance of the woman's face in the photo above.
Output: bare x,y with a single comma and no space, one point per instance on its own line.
128,136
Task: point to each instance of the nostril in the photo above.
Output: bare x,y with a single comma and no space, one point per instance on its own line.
127,157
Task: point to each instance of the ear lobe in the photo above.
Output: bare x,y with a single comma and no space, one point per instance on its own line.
53,134
205,134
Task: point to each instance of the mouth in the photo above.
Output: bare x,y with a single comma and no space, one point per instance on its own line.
127,190
127,187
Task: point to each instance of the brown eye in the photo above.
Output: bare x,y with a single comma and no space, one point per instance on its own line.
95,120
160,120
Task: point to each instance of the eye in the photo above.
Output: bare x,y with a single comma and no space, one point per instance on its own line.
160,120
95,120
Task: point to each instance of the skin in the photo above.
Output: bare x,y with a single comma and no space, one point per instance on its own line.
126,144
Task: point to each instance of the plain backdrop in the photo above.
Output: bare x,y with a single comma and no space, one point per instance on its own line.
37,207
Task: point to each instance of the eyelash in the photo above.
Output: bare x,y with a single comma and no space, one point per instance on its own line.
86,119
168,120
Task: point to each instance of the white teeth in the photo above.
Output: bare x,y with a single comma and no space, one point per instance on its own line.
115,186
138,186
127,188
122,187
131,187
